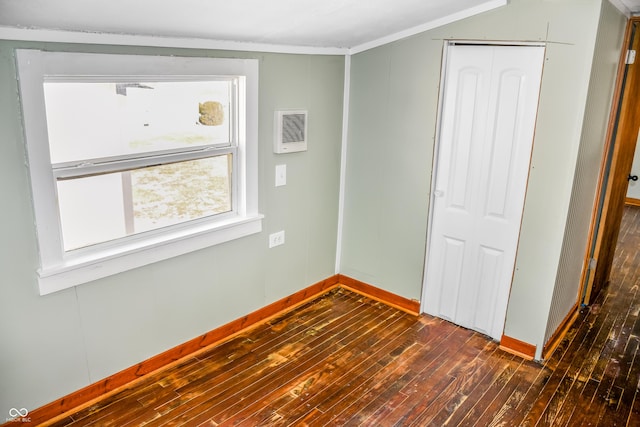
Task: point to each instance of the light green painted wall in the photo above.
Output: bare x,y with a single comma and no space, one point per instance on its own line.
388,166
55,344
393,113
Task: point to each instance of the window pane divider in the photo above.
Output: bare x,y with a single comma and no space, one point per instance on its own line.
101,167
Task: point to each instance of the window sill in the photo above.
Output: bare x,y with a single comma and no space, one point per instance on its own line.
82,269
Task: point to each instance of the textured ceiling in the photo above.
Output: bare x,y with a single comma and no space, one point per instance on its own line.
313,23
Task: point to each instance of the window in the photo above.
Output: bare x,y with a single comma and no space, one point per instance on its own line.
135,159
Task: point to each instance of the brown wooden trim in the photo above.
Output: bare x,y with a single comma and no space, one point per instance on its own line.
517,347
595,239
632,202
410,306
559,334
126,378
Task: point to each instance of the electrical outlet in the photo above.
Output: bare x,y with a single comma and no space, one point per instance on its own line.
276,239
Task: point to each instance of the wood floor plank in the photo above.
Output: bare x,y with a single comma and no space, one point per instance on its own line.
120,410
464,367
626,403
468,396
547,401
344,359
426,384
462,375
569,385
469,418
634,415
344,399
349,338
580,372
300,395
357,378
619,405
239,361
528,394
523,398
263,344
508,398
240,385
522,382
581,411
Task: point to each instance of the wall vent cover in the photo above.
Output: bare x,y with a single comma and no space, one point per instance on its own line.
290,131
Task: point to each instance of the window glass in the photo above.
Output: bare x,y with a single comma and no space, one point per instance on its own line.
105,207
93,120
177,192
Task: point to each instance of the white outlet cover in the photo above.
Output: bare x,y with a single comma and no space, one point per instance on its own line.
276,239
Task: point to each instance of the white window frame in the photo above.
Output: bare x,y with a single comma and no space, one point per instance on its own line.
59,269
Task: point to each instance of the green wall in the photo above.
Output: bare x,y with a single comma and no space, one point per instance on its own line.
55,344
389,152
392,122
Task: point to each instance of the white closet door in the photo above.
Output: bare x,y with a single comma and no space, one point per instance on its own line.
488,118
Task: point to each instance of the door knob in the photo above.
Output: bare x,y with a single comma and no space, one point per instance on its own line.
633,177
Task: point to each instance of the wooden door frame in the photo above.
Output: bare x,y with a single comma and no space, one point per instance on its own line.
603,201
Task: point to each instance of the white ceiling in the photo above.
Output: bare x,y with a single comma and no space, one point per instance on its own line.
342,25
309,23
632,5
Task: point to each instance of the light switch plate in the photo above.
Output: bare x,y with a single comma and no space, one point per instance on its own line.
281,175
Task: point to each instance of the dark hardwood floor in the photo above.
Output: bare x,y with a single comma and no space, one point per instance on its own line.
344,359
